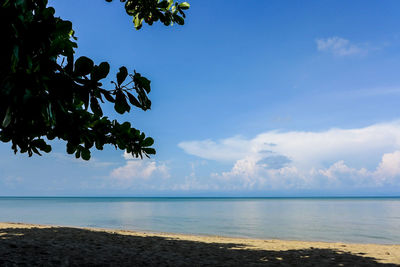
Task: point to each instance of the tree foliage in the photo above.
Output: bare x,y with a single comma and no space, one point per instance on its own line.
45,93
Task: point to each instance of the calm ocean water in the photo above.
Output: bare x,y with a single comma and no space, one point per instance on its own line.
363,220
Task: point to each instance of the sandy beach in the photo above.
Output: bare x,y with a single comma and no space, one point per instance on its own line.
33,245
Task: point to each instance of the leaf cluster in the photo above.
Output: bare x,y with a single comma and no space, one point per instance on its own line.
45,93
150,11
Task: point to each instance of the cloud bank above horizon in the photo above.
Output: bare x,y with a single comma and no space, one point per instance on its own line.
352,158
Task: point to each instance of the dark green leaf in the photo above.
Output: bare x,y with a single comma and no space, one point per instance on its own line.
120,103
47,149
99,145
64,27
70,148
178,19
94,105
41,144
126,127
149,150
83,66
133,100
163,4
184,5
145,83
108,96
34,149
148,141
101,71
85,153
78,153
121,75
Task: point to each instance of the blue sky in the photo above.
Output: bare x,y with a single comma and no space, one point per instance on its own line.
260,98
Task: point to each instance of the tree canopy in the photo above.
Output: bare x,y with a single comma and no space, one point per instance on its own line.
45,93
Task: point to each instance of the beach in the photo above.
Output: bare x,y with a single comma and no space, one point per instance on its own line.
45,245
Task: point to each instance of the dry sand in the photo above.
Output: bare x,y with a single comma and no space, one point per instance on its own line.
33,245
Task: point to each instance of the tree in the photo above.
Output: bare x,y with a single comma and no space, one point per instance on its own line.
46,94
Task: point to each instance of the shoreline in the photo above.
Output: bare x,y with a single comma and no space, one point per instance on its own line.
64,245
200,235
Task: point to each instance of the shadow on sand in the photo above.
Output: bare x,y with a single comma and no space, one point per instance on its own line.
63,246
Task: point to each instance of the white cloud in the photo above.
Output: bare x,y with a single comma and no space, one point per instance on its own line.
304,148
135,170
250,175
362,157
338,46
225,150
389,167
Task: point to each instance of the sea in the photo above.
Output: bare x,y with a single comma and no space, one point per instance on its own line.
354,220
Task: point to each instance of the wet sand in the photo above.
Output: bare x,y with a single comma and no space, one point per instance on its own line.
40,245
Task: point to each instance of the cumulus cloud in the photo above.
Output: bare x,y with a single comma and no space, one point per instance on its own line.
248,174
361,157
138,170
338,46
389,167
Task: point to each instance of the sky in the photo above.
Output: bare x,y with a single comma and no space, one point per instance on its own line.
255,98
